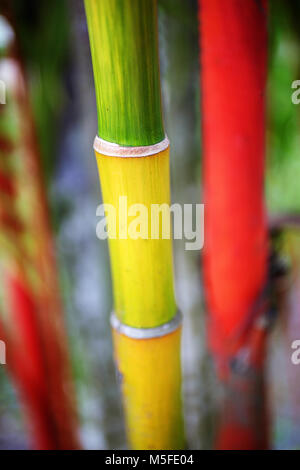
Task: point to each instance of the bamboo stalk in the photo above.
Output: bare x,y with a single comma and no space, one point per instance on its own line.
124,47
233,55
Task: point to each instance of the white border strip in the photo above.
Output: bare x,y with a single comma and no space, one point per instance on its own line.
114,150
146,333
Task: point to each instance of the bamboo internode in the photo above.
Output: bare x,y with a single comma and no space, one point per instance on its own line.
150,379
124,47
141,269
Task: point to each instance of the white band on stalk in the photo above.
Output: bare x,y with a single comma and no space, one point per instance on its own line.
115,150
146,333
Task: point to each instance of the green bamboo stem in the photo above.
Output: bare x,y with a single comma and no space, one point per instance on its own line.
124,49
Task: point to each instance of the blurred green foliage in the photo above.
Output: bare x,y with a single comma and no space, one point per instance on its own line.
283,132
43,38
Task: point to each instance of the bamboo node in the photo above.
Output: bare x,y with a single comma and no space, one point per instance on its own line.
146,333
115,150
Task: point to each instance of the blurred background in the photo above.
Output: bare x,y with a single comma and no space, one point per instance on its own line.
51,49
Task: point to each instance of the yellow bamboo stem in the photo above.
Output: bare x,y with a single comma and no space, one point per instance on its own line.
141,268
150,378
